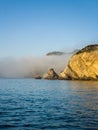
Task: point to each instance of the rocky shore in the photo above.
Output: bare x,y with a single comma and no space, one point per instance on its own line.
83,65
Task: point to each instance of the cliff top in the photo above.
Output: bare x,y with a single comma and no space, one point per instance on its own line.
88,48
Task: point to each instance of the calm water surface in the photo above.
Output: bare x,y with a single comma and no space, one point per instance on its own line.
28,104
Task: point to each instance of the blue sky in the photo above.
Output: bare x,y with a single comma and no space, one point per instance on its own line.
35,27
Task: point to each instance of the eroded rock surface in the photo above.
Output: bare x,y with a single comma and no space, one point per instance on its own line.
51,74
83,65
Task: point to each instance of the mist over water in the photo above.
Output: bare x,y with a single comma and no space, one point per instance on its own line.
31,66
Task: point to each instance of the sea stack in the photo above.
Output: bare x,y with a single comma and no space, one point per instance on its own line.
83,65
51,74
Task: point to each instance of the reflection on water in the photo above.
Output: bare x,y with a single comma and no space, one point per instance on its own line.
44,104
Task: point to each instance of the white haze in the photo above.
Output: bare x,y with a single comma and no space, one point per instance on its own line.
31,66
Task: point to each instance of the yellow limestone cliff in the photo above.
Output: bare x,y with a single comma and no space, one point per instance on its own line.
83,65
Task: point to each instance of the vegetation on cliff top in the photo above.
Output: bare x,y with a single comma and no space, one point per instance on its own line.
88,48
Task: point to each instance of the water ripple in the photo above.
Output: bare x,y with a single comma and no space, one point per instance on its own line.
41,104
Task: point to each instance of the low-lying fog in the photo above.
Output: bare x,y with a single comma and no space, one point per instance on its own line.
31,66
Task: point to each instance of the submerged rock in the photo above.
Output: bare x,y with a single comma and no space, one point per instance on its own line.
51,74
37,77
83,65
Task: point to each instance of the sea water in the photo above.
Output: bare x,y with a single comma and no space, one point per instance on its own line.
28,104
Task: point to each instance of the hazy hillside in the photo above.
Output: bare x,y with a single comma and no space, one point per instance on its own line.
59,53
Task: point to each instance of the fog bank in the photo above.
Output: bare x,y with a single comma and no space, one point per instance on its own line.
31,66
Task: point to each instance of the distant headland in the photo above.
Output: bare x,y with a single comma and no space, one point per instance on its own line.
83,65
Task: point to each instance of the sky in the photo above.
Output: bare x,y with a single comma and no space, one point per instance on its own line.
36,27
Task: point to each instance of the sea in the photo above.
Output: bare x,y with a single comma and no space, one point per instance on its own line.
33,104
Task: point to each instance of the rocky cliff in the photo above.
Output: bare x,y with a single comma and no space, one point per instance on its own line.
51,74
83,65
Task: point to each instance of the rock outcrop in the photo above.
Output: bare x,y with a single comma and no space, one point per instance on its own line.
83,65
37,77
51,74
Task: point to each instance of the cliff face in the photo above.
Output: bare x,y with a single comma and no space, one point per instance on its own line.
83,65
